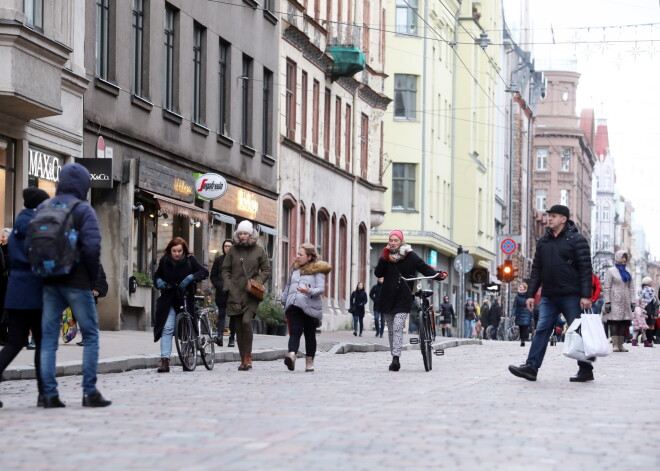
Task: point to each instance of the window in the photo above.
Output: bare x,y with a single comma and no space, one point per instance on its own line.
541,200
245,101
337,130
290,99
480,211
541,158
566,160
341,259
316,91
138,47
606,213
169,58
303,108
405,96
366,26
267,119
564,197
326,124
362,253
288,231
223,84
403,187
34,14
349,134
406,17
312,225
198,73
364,145
102,39
322,231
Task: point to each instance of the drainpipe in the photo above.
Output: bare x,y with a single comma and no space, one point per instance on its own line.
423,176
354,183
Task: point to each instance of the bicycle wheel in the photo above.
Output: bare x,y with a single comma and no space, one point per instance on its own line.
513,333
206,342
490,332
432,325
184,337
424,341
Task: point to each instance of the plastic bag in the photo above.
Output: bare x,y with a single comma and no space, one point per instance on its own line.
573,344
593,336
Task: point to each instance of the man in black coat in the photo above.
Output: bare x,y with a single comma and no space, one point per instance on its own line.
374,294
494,315
562,266
221,296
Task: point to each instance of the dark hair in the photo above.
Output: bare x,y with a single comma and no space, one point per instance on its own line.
177,241
224,242
357,287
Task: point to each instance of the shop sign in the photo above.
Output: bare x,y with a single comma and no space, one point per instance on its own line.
43,165
247,203
100,171
166,181
210,186
182,187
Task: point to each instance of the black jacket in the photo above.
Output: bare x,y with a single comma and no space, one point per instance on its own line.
447,313
374,294
396,296
494,313
562,264
522,314
100,284
358,300
221,295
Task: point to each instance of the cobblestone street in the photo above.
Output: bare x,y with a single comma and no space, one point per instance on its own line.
350,414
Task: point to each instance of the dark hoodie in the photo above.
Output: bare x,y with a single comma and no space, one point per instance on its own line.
74,184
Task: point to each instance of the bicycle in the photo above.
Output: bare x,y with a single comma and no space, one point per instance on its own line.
192,332
426,322
506,330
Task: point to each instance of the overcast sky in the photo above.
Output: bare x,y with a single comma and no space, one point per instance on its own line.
617,47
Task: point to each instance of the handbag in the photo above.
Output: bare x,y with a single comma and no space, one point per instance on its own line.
593,335
573,344
252,287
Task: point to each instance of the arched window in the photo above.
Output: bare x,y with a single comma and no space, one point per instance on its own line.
363,253
333,255
288,239
341,258
312,225
302,222
322,234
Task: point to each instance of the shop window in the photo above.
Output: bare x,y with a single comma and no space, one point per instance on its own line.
7,182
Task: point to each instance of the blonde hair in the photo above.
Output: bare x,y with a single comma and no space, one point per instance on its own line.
524,285
311,252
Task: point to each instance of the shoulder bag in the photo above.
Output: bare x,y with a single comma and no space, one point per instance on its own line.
252,287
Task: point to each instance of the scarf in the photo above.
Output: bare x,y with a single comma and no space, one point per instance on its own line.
625,276
399,253
177,263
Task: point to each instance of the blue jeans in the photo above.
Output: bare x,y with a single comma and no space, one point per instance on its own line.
168,333
379,323
56,300
358,320
549,311
469,327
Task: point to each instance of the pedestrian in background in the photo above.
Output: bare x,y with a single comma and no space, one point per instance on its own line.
374,294
469,319
523,316
483,316
177,271
396,298
447,315
650,305
303,303
639,324
4,274
619,300
23,302
358,300
221,295
562,265
494,317
245,260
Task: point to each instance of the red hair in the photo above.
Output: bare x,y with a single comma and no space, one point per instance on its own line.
177,241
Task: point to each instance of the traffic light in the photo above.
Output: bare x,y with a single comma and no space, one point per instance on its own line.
508,272
500,272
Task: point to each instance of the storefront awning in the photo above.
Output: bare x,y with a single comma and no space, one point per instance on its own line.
267,230
224,218
172,206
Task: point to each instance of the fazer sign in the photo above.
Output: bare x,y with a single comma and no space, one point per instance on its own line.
210,186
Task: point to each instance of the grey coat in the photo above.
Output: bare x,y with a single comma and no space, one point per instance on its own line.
620,295
312,275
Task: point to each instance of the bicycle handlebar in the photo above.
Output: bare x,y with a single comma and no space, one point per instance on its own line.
419,277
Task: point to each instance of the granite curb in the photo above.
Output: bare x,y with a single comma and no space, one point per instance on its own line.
137,362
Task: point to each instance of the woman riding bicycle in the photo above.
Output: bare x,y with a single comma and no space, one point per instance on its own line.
396,297
177,269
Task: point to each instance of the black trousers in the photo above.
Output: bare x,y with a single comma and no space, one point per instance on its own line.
20,322
524,332
300,323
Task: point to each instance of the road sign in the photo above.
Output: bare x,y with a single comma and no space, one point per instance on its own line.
463,262
508,246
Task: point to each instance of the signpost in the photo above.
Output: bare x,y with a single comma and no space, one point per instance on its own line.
463,263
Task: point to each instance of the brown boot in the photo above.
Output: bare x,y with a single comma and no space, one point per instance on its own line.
164,365
242,367
248,361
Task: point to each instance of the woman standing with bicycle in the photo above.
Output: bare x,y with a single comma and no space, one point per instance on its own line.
302,302
521,313
177,269
396,297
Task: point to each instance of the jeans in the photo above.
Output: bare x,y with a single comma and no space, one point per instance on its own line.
20,322
469,328
56,300
379,323
549,311
300,323
168,333
358,320
222,316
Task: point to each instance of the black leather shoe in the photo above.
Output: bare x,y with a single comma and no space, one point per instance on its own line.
582,376
231,342
40,400
523,371
52,402
395,365
95,400
218,340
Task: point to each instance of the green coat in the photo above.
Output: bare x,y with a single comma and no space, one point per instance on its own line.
258,268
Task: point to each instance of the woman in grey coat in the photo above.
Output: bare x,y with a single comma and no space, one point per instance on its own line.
302,302
619,297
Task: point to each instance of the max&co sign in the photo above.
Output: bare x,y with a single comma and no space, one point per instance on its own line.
210,186
100,170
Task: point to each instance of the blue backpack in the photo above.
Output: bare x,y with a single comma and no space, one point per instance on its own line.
53,238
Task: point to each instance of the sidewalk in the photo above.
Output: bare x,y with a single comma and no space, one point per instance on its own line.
126,350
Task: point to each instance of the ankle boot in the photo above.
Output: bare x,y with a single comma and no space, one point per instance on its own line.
648,343
309,364
622,341
248,361
242,366
634,342
164,365
290,360
395,365
231,343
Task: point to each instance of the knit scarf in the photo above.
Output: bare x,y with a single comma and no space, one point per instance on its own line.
625,276
399,253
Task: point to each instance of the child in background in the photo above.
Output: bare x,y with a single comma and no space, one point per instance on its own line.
638,323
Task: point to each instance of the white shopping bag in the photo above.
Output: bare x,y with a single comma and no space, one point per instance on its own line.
573,345
593,336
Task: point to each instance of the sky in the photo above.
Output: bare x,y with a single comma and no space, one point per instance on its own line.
617,47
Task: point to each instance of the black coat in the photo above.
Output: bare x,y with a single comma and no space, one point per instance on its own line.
100,284
447,313
522,314
374,294
494,313
221,295
358,300
171,297
396,296
562,264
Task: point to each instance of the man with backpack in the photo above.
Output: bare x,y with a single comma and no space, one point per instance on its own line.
64,242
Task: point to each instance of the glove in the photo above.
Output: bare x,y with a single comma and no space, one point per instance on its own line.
186,281
386,252
160,284
441,275
607,307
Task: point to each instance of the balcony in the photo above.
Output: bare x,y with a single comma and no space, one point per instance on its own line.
347,61
31,72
